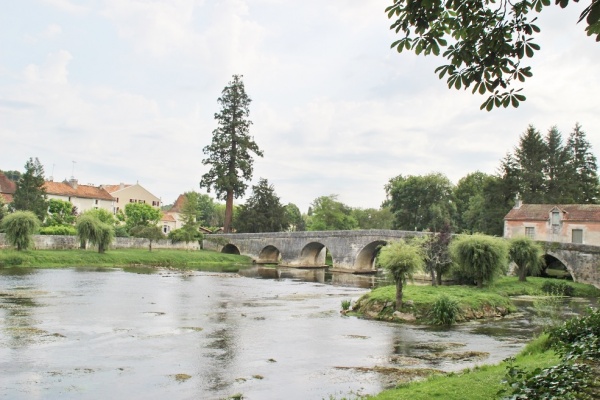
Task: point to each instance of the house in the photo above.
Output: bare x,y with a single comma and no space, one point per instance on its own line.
7,188
127,193
84,197
566,223
172,219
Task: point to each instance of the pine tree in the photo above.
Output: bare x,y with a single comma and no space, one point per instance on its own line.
530,156
228,156
263,211
584,167
30,194
557,169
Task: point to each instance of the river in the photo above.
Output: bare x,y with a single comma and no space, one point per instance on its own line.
85,333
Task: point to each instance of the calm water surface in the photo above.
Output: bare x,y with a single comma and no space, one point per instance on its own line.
271,334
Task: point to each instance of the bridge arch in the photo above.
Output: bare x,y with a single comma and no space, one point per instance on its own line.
313,254
230,249
269,255
553,257
365,260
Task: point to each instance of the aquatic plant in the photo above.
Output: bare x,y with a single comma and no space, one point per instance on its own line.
445,311
346,305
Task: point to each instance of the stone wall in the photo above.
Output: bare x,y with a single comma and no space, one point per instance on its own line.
58,242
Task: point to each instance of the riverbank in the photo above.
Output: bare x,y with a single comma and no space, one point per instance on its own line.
204,260
473,303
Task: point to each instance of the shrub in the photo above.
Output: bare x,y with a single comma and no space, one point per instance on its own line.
121,231
445,311
19,227
58,230
346,305
558,288
479,257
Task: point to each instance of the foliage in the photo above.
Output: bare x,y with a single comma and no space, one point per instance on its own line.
185,235
19,228
527,255
150,232
578,343
479,258
469,197
558,288
372,218
3,210
263,211
228,156
486,43
346,305
437,254
140,215
510,286
329,214
91,229
30,194
294,218
60,212
66,230
420,202
189,211
102,215
445,311
542,170
121,231
12,175
402,260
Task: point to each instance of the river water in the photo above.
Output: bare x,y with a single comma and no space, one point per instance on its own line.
82,333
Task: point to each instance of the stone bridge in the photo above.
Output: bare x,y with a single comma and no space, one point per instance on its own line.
355,251
351,251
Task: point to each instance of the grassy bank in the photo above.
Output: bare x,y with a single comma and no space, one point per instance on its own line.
474,384
473,302
185,259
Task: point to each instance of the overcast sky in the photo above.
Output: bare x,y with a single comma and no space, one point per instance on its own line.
117,91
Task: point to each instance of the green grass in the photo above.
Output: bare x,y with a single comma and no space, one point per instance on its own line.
185,259
510,286
475,384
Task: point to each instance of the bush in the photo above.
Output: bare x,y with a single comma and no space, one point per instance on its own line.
19,227
479,258
346,305
445,311
558,288
121,231
58,230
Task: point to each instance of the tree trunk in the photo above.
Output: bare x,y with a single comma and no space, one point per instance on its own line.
398,295
439,278
228,212
523,274
433,281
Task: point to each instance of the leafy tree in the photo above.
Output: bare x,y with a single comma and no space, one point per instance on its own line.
527,255
189,211
294,217
185,235
102,215
436,252
207,211
228,156
150,232
12,175
140,214
468,196
328,214
584,167
263,211
421,202
372,218
60,212
479,258
30,194
486,43
91,229
19,228
3,210
402,260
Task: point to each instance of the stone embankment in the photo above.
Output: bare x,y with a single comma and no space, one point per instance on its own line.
384,310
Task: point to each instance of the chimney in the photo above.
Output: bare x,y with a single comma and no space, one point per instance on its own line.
73,183
121,186
518,202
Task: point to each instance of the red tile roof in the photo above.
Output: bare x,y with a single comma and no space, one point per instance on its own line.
82,191
6,185
168,217
114,188
179,203
541,212
8,198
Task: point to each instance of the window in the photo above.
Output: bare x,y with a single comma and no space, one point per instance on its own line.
165,229
577,236
96,201
555,218
530,232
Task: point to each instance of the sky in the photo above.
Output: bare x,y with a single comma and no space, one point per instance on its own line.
112,91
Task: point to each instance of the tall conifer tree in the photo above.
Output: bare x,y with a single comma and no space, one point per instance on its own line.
530,156
228,156
30,194
557,169
584,167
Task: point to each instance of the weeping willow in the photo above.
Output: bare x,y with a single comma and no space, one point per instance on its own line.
19,228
